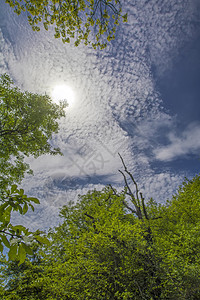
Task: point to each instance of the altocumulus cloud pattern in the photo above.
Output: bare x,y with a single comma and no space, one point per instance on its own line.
118,106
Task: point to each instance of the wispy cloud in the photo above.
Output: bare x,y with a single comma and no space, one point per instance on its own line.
161,186
187,143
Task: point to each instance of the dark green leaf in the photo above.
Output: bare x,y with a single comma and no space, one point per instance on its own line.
35,200
32,207
25,208
1,247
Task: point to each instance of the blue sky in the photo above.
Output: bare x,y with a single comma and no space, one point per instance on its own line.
139,97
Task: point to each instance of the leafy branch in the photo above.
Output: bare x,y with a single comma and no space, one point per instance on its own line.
21,238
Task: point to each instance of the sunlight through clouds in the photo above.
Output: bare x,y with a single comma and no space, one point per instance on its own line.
63,93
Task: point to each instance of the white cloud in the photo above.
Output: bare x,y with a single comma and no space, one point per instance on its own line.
161,186
170,25
186,144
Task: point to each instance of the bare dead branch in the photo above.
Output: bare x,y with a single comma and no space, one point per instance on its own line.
143,207
129,208
134,201
124,202
128,187
132,178
114,191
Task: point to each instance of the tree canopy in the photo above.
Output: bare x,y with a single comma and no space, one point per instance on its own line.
103,250
27,123
91,21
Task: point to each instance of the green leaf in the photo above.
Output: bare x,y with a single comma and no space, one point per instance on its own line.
21,192
5,241
12,254
21,254
25,208
19,208
42,240
28,249
35,200
19,228
13,188
32,207
1,247
7,214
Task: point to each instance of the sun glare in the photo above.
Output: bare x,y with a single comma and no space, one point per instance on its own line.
63,92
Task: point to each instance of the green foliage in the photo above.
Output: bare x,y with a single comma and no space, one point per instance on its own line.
94,254
27,122
12,275
17,238
83,20
102,251
176,235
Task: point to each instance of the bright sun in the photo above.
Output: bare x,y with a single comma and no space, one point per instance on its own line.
63,92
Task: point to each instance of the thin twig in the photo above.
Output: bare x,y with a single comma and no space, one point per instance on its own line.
124,202
11,234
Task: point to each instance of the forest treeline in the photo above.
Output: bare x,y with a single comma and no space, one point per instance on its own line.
103,250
